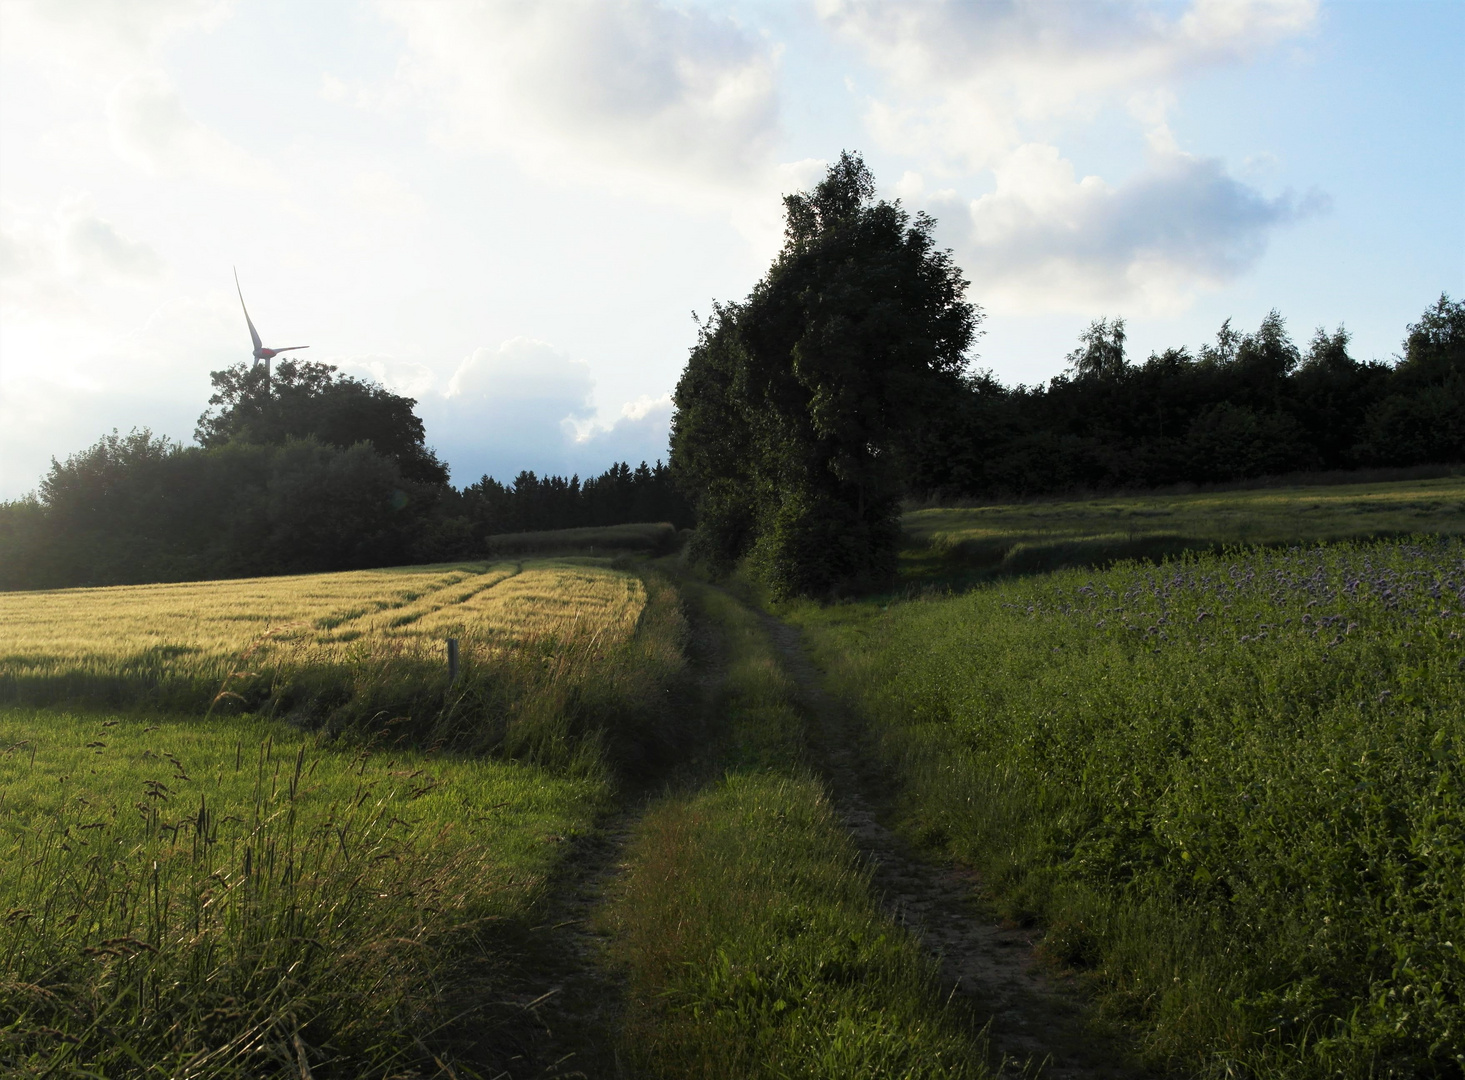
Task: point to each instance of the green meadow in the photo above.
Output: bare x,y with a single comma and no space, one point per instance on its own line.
1029,537
232,898
251,828
1229,787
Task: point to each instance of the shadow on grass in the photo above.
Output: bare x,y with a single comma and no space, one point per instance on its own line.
972,563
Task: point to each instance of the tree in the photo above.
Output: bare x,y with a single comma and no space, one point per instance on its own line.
308,399
795,403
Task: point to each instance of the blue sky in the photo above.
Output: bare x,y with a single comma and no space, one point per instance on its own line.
509,211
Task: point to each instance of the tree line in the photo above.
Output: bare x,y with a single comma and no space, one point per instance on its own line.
309,471
842,385
1245,406
808,413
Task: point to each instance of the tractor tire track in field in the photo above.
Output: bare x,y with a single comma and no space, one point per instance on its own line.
1037,1020
578,997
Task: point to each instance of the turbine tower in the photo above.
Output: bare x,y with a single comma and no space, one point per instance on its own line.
260,352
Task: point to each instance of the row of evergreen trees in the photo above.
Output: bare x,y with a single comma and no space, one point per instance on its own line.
315,471
1248,405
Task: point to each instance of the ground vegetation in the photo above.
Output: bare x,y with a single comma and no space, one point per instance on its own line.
1230,786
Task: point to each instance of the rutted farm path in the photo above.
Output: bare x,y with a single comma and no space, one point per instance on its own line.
577,998
1036,1019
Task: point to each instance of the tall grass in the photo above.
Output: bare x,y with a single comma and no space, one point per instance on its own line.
236,900
746,922
343,892
1233,787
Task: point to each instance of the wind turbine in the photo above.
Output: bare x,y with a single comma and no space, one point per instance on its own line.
260,352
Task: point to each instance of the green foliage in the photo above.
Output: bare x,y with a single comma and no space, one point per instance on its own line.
1232,785
308,400
649,537
753,946
794,401
235,900
1244,406
534,504
138,508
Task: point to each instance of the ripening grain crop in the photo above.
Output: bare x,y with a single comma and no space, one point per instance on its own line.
345,650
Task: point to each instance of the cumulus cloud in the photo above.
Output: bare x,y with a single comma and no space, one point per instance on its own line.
974,74
151,128
1045,238
527,405
968,85
45,257
93,243
102,39
636,88
640,433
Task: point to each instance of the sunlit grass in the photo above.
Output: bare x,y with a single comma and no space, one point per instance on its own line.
1232,786
746,922
343,650
225,899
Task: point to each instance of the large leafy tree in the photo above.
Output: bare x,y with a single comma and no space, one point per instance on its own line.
307,399
796,402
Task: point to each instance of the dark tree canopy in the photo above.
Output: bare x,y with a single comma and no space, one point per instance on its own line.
306,399
796,403
1243,406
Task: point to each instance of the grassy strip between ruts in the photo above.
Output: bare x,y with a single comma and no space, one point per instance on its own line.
1233,787
753,944
231,897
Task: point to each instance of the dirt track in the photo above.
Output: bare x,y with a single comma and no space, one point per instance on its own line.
1037,1019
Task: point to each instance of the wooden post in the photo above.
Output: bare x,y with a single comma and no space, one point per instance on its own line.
452,660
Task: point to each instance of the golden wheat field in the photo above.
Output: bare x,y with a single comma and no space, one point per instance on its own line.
197,632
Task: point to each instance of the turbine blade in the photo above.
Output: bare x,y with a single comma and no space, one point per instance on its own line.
253,333
287,348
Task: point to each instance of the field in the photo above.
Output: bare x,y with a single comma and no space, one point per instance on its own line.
356,651
648,538
190,892
1231,787
1036,536
233,899
177,642
251,827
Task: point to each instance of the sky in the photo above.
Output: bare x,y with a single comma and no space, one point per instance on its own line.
511,211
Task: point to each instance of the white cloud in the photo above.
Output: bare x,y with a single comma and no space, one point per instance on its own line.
635,89
969,85
102,39
151,128
1046,239
973,74
640,433
44,258
527,405
94,244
